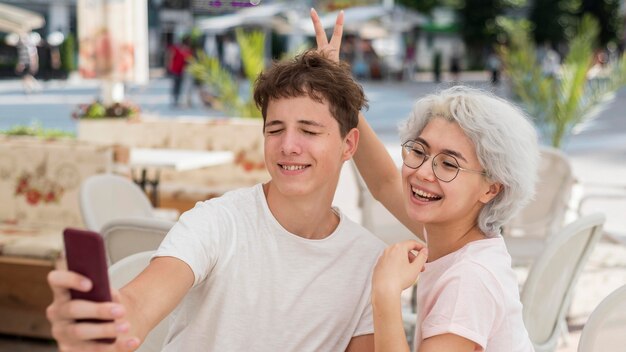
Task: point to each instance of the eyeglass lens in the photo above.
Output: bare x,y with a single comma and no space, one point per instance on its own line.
445,167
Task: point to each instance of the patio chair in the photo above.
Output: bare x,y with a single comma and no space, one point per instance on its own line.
526,234
604,330
105,197
376,218
549,288
121,273
126,236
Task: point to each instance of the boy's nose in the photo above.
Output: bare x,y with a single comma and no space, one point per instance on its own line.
290,144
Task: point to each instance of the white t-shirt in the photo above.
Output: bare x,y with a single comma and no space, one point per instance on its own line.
473,293
260,288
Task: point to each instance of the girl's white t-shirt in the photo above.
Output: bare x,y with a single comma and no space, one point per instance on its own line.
473,293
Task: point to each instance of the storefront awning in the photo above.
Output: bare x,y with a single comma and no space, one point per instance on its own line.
18,20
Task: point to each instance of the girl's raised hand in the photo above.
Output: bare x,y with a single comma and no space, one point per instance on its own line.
323,45
399,266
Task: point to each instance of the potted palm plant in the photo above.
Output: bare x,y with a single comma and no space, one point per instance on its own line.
559,103
210,72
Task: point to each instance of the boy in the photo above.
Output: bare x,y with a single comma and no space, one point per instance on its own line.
268,268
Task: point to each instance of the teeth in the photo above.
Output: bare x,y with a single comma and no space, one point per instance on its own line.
423,194
293,167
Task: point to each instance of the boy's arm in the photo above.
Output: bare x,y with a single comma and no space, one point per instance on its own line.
136,309
154,294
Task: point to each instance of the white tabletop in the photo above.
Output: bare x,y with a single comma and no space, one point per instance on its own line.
178,159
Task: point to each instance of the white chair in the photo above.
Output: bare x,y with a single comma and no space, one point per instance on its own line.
123,237
548,290
123,272
106,197
605,329
526,234
376,218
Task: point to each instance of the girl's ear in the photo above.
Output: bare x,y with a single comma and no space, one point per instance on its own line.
493,190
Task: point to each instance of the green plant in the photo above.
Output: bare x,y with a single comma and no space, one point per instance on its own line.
558,103
209,71
37,130
97,110
68,53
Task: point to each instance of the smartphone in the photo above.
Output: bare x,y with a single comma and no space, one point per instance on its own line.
84,252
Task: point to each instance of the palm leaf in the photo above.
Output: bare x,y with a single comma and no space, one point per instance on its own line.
558,104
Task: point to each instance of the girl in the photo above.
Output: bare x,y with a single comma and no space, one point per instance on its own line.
469,164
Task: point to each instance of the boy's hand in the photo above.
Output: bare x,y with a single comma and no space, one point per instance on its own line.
74,336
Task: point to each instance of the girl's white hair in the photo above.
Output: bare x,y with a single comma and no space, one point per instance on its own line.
505,140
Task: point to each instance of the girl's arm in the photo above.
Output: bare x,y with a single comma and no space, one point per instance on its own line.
447,343
374,163
381,175
397,269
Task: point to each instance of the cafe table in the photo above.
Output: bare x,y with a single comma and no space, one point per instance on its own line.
144,159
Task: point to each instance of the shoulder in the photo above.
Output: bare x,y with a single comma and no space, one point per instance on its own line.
359,234
484,266
232,205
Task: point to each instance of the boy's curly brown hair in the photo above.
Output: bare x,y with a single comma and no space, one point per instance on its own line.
314,75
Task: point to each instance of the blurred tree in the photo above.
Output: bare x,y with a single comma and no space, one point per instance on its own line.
423,6
608,15
559,103
554,20
477,21
210,72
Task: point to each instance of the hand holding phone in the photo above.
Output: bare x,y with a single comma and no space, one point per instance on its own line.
85,254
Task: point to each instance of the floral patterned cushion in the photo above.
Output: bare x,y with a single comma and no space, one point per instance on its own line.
39,184
244,137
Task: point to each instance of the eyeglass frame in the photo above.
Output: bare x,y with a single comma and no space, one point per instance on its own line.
407,150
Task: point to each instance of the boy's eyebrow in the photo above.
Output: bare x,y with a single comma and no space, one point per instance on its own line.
303,122
273,123
446,151
311,123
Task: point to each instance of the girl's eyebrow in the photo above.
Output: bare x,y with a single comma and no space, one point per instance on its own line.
446,151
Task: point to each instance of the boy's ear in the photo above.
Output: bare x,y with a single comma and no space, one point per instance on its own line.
350,143
493,190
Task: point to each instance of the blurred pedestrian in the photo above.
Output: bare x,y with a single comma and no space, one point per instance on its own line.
27,63
176,62
551,61
455,67
494,65
232,56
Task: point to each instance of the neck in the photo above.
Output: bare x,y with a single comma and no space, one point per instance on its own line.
445,239
308,217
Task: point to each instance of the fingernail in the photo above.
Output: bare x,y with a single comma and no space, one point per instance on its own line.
116,311
132,343
86,284
123,327
425,251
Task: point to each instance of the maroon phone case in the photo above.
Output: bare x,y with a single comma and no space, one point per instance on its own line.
84,252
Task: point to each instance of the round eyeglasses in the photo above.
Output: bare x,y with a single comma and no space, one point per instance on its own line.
445,166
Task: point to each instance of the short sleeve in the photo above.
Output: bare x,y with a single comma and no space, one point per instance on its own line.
469,304
195,239
365,325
